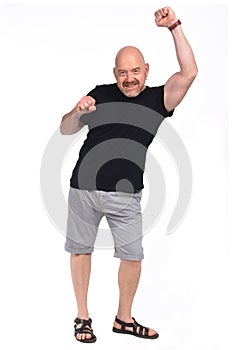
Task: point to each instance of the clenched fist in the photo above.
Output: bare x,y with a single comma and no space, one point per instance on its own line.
86,105
165,17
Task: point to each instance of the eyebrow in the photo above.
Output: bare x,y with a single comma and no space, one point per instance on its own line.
124,70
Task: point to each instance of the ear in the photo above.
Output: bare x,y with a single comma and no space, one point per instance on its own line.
147,67
114,72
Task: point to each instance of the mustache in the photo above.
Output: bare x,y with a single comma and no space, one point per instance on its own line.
129,83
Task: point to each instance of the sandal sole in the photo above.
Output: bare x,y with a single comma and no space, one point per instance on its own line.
92,340
116,330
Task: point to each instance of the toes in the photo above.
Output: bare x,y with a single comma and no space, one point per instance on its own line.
152,332
83,336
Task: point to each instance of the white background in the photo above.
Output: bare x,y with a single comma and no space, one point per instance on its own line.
51,55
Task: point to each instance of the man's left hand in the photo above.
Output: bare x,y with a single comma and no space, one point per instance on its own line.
165,17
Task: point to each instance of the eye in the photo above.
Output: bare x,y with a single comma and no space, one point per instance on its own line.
122,73
136,70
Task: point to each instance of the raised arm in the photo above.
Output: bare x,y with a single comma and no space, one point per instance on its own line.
178,84
70,123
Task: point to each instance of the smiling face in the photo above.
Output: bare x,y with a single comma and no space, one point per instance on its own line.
130,71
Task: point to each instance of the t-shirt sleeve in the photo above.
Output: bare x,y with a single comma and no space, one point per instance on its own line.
165,112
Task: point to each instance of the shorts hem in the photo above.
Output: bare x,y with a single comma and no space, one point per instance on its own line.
129,257
78,251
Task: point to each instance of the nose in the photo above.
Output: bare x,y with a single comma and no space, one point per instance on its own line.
129,76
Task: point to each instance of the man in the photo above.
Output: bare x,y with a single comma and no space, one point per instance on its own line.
90,200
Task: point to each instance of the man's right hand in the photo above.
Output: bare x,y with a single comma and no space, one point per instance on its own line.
86,105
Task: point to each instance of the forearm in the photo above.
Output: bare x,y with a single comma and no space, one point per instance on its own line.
178,84
70,123
184,53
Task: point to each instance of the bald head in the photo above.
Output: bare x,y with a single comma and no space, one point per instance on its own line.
128,51
130,71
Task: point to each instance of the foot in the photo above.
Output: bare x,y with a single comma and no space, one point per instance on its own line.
83,331
130,326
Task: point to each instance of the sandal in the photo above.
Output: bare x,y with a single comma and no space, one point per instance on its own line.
84,329
138,330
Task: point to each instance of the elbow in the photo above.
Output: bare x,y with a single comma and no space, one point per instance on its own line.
65,131
64,128
191,76
62,131
194,73
68,127
190,72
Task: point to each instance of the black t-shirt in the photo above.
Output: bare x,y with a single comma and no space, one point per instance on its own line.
121,129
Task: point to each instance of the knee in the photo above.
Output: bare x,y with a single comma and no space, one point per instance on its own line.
132,263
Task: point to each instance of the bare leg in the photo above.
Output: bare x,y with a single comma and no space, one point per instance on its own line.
80,272
128,279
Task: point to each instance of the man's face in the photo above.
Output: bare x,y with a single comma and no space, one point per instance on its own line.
131,72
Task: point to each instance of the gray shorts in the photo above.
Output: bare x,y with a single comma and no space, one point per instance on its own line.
122,212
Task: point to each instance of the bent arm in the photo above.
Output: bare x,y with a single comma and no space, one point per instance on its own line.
178,84
70,122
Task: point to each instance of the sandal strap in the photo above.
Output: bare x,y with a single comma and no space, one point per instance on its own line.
83,331
133,325
83,322
85,328
125,324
